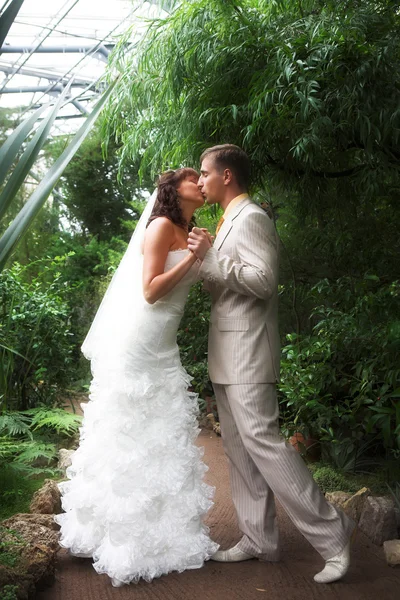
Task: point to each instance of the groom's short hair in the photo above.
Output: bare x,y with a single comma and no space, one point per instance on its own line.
229,156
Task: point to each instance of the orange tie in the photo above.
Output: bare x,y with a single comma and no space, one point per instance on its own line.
219,225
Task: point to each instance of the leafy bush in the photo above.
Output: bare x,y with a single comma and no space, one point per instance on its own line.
29,441
35,340
340,382
193,339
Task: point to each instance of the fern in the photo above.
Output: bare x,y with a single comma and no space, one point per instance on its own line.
56,419
10,448
34,450
15,423
18,456
29,471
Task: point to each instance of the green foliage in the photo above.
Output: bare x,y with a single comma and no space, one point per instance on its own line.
27,154
309,89
192,339
95,200
17,487
28,452
35,341
54,419
329,480
334,381
9,11
14,424
9,592
10,544
28,439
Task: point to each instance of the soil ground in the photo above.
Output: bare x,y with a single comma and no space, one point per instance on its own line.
369,577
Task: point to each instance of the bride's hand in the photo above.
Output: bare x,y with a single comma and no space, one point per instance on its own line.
208,234
199,241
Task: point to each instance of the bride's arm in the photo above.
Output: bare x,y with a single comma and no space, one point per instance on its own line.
160,236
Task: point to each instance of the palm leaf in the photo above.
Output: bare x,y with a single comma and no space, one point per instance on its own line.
26,215
9,150
7,19
29,156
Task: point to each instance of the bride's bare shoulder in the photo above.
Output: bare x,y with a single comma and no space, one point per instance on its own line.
160,225
160,234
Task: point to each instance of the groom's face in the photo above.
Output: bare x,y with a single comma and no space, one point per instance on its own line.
211,181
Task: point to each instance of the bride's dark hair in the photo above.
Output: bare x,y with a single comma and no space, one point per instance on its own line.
167,203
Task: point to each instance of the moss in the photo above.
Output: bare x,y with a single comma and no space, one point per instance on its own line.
331,480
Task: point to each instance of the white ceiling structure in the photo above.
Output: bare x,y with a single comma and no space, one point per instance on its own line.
54,41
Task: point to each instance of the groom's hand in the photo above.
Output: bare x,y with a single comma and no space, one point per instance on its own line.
199,241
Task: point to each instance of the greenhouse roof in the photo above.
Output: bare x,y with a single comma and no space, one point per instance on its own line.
54,41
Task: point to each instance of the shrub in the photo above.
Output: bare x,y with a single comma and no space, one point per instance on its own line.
35,341
193,339
340,382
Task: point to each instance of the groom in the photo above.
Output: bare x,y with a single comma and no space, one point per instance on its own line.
241,272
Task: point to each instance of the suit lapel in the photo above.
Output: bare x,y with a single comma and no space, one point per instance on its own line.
223,232
228,223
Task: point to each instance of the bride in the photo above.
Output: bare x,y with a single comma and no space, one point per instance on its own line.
134,498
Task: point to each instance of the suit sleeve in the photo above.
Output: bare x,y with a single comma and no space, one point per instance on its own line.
206,286
256,272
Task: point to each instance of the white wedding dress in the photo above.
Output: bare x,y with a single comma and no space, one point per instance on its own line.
135,498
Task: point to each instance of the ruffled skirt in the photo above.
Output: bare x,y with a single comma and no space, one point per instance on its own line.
135,496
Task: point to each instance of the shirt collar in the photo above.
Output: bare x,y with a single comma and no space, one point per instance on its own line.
234,202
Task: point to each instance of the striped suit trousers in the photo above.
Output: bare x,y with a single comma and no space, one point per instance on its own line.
263,465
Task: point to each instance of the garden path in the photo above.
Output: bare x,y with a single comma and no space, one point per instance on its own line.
368,578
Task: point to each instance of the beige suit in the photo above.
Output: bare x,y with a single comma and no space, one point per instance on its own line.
241,273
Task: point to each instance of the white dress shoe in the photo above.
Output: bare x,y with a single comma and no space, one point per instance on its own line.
232,555
335,567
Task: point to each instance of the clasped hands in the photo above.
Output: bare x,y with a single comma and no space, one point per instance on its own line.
199,241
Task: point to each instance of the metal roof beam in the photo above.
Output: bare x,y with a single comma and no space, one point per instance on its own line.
50,75
101,51
34,88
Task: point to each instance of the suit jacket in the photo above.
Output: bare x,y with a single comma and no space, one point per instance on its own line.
241,273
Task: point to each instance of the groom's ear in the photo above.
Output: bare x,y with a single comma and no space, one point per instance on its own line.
228,177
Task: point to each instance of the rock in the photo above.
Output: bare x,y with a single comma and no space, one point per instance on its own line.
64,459
354,506
22,581
211,419
337,498
31,547
378,519
392,552
47,500
215,426
39,519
